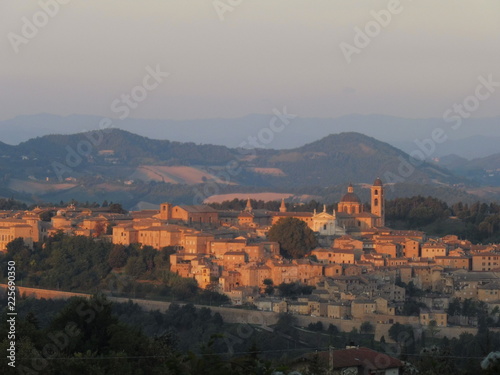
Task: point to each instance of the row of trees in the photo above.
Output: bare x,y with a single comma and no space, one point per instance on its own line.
478,222
11,204
86,204
477,310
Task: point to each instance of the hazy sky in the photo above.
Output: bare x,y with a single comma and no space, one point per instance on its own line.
258,55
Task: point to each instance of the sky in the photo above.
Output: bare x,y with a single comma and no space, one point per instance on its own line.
230,58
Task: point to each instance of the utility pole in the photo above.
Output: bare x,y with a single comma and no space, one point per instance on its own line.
330,369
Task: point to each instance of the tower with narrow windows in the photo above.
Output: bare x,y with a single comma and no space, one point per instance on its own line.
378,202
166,211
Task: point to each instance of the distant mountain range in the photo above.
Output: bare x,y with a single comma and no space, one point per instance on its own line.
475,138
485,171
119,166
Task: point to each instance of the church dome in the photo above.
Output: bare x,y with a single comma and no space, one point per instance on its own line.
350,198
378,182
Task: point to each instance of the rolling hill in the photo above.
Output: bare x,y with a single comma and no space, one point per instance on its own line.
353,157
97,166
485,170
478,137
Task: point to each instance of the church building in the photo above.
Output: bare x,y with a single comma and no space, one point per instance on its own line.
352,216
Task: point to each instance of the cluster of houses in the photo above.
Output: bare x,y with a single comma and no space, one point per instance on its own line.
355,272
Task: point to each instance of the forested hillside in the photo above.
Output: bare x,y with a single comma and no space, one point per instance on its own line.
121,166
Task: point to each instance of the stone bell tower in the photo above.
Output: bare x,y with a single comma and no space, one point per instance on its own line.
378,202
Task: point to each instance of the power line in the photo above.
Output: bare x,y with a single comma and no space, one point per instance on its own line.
325,349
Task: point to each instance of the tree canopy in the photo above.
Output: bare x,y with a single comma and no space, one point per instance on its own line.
78,263
296,239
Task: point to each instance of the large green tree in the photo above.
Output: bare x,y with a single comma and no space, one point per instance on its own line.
296,239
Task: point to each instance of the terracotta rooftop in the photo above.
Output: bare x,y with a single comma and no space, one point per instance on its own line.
363,357
198,208
292,214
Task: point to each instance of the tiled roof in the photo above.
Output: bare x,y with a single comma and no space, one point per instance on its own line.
292,214
366,358
199,208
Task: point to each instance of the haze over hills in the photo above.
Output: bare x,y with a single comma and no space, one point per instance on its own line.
485,170
473,147
331,160
489,163
477,137
121,166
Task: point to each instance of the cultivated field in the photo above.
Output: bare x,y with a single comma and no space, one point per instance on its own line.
173,175
269,171
37,188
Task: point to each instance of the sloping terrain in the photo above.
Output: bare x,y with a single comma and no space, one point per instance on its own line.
121,165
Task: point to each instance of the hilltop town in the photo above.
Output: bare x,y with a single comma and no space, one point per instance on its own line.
362,269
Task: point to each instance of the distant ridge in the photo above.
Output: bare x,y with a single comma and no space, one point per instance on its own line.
331,160
121,166
478,135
